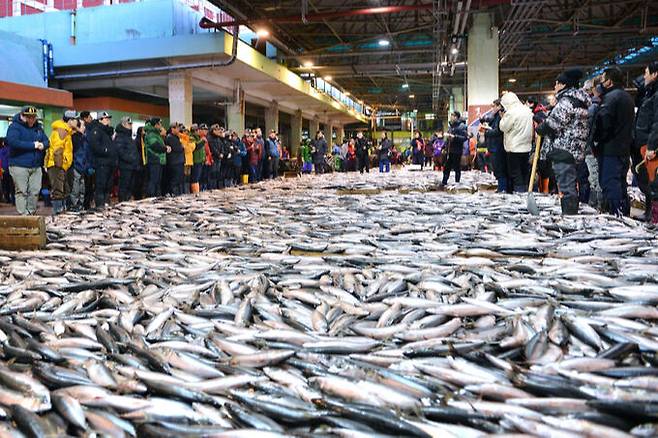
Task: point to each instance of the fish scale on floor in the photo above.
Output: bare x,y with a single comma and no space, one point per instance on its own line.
351,305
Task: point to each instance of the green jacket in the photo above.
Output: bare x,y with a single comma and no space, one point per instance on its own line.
306,153
156,151
199,154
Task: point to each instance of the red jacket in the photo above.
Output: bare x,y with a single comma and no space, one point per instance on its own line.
209,160
254,151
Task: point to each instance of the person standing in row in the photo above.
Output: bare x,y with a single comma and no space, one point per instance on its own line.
262,168
208,162
319,148
646,134
613,132
81,166
216,144
385,153
175,160
140,181
455,138
129,158
595,91
105,157
90,177
516,125
565,132
273,154
59,158
27,144
362,153
198,158
156,155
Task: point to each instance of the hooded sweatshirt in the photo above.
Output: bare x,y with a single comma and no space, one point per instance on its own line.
60,152
567,128
516,124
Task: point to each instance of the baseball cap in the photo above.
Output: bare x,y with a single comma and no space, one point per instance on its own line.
29,110
203,126
154,121
70,114
104,115
194,127
126,119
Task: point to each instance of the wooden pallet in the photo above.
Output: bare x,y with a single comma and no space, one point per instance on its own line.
22,232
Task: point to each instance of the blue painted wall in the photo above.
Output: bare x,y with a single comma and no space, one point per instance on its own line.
22,60
148,29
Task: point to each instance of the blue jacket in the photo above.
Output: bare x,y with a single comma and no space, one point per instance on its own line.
242,152
20,139
4,158
81,153
272,148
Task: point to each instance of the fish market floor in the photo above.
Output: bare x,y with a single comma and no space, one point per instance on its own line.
341,305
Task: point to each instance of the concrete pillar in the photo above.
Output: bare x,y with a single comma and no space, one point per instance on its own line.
340,134
482,74
235,111
313,126
180,98
295,132
328,132
272,117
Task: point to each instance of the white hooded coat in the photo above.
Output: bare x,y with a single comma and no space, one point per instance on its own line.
516,124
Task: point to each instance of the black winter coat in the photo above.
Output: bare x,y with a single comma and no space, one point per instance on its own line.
494,136
129,158
177,155
103,150
320,146
460,132
613,128
215,143
361,147
646,119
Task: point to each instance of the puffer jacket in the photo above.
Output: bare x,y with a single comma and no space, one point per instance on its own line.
129,158
156,151
567,126
460,131
199,152
20,140
60,152
188,146
100,141
646,119
516,124
177,155
209,161
216,144
81,156
494,137
613,126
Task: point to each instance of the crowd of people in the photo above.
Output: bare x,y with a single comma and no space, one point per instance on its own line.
587,137
87,160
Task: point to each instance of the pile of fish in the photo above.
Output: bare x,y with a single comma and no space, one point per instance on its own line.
302,308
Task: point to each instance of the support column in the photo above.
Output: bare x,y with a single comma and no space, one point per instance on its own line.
328,132
235,111
272,117
180,98
313,126
482,79
295,133
340,134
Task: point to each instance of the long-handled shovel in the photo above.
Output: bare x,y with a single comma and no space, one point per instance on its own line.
532,204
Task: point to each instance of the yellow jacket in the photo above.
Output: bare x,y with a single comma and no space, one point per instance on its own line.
60,152
189,146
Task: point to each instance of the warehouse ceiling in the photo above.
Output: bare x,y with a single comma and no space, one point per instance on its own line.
384,58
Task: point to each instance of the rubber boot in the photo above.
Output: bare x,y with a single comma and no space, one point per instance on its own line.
654,212
195,187
569,206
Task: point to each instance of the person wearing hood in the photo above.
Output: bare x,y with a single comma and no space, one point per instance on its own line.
646,134
565,131
455,137
27,143
613,132
516,125
59,158
129,158
175,159
156,155
105,157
